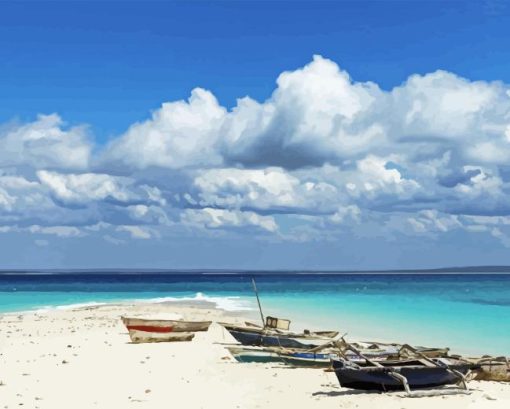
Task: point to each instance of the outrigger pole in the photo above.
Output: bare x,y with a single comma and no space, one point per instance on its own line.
258,301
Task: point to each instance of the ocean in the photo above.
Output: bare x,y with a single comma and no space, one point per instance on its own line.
470,313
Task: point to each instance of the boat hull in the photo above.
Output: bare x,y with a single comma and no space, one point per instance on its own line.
165,326
376,378
253,336
268,340
139,337
298,359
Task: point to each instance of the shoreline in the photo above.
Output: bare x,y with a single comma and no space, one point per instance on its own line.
198,297
82,358
199,300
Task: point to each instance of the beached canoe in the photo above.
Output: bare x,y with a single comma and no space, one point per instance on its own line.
269,337
319,357
394,350
391,375
164,326
139,337
275,355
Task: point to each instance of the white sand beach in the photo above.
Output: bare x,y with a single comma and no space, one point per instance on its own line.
82,358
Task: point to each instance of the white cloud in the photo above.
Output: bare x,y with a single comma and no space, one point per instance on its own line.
43,143
482,182
343,213
60,231
318,114
6,200
374,176
21,198
324,150
220,218
136,232
263,189
431,221
90,187
179,134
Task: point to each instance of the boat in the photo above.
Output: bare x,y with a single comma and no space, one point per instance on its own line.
402,374
275,332
491,368
393,350
139,337
164,326
320,356
278,355
398,375
272,337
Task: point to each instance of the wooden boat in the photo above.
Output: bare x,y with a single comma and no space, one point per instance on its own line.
138,337
429,352
388,375
394,350
271,337
319,357
278,355
164,326
398,375
491,368
275,332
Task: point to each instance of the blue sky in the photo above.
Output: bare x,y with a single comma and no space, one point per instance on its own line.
109,64
254,134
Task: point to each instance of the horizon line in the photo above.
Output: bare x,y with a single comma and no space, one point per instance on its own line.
481,269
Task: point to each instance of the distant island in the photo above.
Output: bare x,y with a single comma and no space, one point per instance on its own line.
465,269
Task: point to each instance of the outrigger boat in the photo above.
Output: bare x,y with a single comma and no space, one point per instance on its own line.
321,356
389,375
399,375
278,355
273,337
275,333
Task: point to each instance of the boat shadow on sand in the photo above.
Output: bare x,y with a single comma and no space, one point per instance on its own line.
416,394
344,392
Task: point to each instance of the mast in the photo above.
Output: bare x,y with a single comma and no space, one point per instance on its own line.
258,301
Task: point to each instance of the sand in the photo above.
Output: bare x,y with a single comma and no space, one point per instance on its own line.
82,358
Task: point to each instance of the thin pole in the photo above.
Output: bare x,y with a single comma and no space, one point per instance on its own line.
258,301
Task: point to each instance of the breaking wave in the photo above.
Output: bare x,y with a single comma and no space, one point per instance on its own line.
232,303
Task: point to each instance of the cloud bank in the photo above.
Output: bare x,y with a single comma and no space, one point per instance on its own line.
324,158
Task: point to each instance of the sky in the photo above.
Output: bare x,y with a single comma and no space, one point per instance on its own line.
254,135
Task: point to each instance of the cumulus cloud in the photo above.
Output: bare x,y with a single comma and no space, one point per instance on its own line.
44,143
179,134
318,114
220,218
136,232
323,155
262,189
90,187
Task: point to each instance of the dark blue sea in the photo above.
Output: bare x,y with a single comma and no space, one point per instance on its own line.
468,312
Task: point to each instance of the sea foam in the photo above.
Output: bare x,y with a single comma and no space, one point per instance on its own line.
232,303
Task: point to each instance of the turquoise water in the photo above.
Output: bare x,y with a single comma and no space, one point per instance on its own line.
468,312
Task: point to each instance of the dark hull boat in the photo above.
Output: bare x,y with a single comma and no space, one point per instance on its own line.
403,375
275,333
274,338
